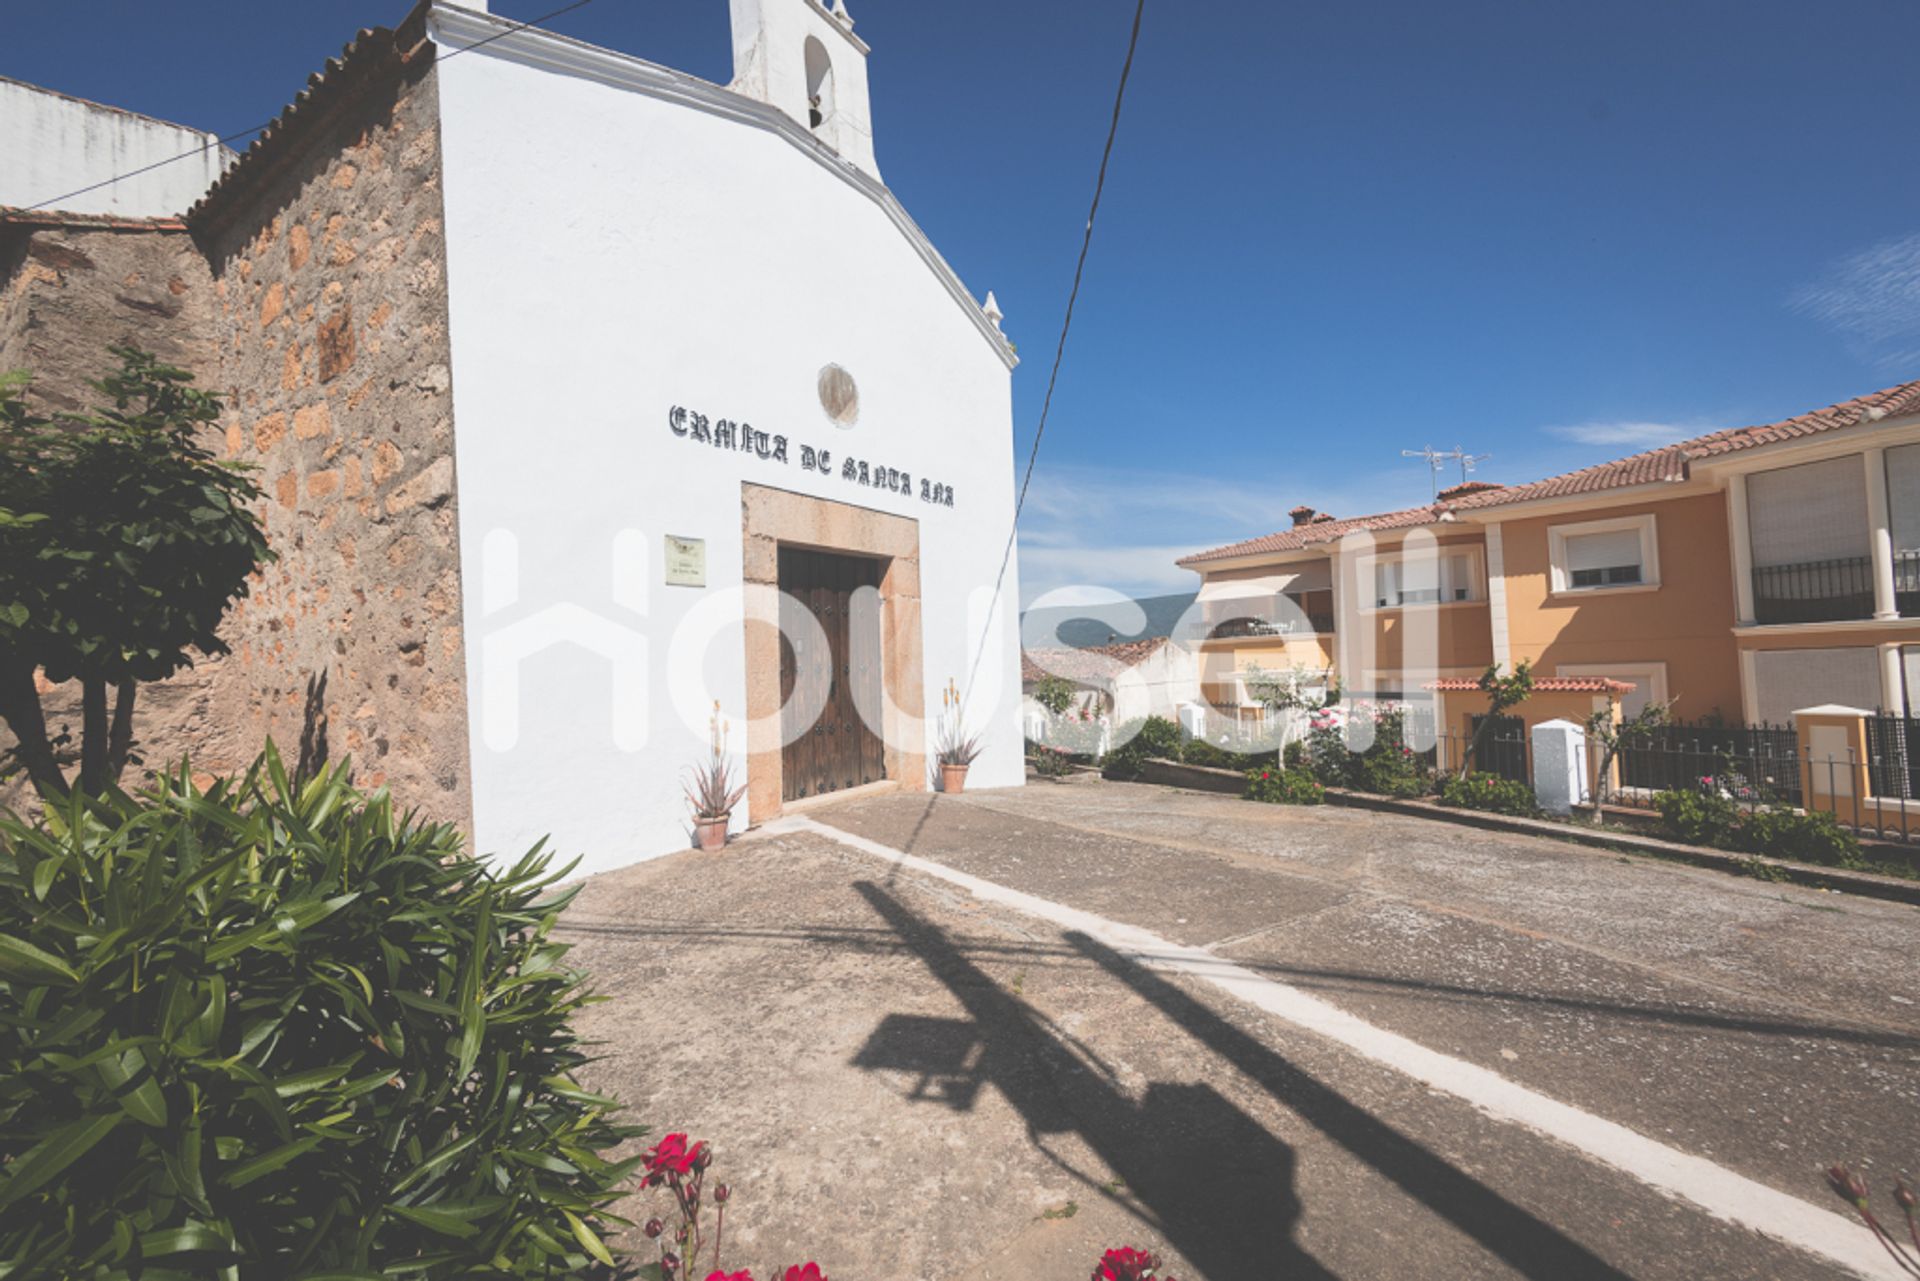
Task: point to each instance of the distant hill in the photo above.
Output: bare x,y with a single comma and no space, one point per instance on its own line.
1083,626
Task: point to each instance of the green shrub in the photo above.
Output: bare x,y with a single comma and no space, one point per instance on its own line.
1213,756
1049,762
1329,758
1697,817
1284,787
1804,838
1489,792
1137,742
273,1030
1295,755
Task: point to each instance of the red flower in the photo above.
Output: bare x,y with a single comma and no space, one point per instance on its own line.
811,1272
1125,1264
730,1276
1266,773
672,1157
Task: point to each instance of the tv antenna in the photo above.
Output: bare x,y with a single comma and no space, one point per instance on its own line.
1438,459
1467,461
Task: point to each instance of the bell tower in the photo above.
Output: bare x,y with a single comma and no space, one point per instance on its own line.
802,57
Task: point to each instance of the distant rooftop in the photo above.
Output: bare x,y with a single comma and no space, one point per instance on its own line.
1666,463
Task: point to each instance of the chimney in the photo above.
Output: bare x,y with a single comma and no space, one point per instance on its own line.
1302,515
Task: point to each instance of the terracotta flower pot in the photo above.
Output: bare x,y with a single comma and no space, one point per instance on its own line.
711,832
953,778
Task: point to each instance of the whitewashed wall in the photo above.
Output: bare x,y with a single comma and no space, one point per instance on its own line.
51,144
613,254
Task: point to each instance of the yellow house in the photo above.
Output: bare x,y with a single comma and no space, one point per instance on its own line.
1746,574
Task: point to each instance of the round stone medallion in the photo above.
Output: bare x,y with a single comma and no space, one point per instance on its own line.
839,396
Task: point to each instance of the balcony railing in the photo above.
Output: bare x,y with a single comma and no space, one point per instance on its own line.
1235,628
1824,591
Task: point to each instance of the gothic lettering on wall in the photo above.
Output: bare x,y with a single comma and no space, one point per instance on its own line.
743,438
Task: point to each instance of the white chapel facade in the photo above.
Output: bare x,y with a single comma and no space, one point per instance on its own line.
575,382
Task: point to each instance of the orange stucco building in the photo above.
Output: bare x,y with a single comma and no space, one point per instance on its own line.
1744,574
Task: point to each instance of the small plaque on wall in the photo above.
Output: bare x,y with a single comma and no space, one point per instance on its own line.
686,562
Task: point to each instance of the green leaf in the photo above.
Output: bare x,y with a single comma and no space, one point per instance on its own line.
194,1237
588,1241
440,1221
54,1154
129,1080
265,1164
20,959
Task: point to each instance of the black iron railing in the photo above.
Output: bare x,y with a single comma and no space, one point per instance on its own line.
1503,750
1814,591
1757,764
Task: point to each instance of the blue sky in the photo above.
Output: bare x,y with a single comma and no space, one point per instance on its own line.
1548,232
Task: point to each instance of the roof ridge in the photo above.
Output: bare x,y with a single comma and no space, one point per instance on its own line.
1644,467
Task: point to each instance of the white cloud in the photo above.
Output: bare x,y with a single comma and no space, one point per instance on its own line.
1872,298
1632,434
1136,570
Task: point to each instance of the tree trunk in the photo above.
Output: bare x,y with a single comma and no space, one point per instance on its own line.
20,709
93,734
120,738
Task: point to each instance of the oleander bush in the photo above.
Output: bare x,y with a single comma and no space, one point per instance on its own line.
1787,833
1490,793
275,1029
1212,756
1707,816
1696,816
1284,787
1049,762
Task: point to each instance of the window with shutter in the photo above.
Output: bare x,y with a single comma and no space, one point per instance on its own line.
1609,559
1813,512
1598,554
1903,497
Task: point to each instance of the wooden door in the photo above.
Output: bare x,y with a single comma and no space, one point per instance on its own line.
838,750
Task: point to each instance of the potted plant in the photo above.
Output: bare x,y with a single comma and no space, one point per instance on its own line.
957,748
711,791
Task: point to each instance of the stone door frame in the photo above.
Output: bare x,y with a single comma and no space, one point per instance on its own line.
770,518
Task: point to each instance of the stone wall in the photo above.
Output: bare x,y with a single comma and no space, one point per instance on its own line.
312,294
331,324
70,292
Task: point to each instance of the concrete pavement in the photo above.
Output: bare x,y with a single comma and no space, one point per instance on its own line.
919,1082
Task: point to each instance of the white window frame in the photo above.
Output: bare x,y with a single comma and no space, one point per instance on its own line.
1644,523
1476,570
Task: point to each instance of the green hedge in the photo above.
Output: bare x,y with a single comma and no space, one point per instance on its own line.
1137,742
1702,817
1284,787
277,1030
1491,793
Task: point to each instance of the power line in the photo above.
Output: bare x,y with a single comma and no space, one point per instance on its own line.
1060,349
254,129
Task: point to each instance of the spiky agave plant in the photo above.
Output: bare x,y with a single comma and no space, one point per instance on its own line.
956,746
710,787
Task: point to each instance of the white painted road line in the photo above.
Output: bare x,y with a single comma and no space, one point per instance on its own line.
1714,1188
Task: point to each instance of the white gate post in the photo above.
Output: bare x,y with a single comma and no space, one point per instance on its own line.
1559,766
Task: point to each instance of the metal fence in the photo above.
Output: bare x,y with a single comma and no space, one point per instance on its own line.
1761,762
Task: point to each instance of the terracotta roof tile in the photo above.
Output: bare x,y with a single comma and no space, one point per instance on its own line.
1325,531
1667,463
1093,664
374,52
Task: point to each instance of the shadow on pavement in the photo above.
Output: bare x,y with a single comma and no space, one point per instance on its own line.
1211,1179
1511,1233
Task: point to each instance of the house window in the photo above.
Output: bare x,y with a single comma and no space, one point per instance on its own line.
1425,580
1600,554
